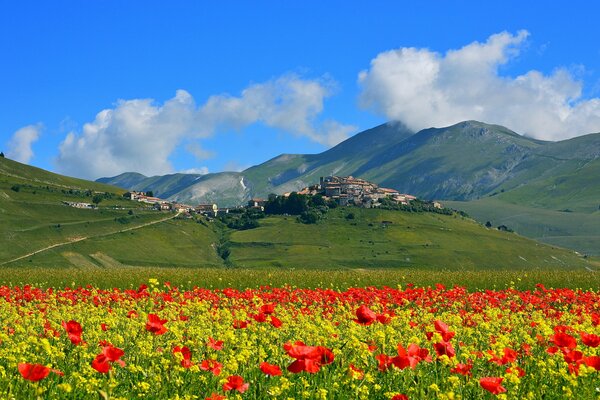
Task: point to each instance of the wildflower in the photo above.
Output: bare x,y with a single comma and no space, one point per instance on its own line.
33,372
211,365
492,385
215,344
156,325
444,348
308,358
185,352
74,331
463,369
235,382
270,369
590,339
365,316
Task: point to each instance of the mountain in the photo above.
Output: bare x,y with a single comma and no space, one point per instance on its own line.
39,230
487,170
465,161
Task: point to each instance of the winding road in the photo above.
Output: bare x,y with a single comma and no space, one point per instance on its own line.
79,239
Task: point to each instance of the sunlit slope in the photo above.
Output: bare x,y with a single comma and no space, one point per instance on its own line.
38,229
392,239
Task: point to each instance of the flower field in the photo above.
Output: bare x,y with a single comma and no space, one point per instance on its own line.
158,341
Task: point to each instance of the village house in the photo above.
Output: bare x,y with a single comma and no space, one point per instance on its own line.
257,203
210,210
182,208
164,206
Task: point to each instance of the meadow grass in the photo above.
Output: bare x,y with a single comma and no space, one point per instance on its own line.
339,279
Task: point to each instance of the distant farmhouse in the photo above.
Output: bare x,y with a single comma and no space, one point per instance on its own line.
77,204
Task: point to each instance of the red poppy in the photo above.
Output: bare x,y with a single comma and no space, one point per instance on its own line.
33,372
186,354
492,385
110,354
444,348
103,326
385,361
238,324
365,316
216,396
383,318
592,361
308,358
267,308
270,369
564,340
101,364
590,339
276,322
74,331
156,325
211,365
215,344
443,329
235,382
400,397
411,356
463,369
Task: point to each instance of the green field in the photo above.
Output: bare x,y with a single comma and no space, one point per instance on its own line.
219,278
391,239
575,230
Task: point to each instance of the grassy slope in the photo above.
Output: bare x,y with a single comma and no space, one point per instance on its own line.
575,230
412,240
34,217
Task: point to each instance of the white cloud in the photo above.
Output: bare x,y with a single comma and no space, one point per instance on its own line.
423,88
136,135
199,152
200,171
139,135
288,103
19,146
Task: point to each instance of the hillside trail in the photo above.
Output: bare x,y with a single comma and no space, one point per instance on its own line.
82,238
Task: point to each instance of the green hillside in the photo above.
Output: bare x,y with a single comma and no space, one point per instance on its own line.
38,230
382,238
574,230
35,220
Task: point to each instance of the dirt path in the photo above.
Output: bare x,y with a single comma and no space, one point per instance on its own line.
79,239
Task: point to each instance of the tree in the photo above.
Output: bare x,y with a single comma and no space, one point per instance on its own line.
1,154
96,199
488,224
150,193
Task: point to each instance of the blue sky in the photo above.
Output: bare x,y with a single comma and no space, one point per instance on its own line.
212,86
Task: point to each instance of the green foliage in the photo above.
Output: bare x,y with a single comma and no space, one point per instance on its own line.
15,188
1,154
416,205
241,219
294,204
97,199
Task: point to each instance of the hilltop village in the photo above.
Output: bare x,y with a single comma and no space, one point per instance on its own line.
343,191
